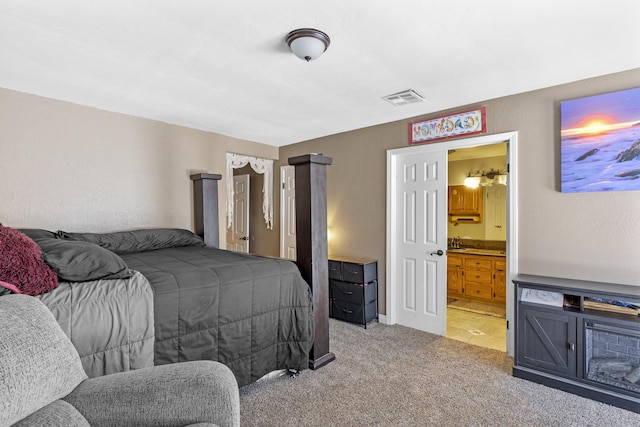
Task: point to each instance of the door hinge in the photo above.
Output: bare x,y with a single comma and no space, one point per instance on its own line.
283,187
507,324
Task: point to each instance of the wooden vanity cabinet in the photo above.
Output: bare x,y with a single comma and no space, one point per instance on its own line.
500,280
454,274
478,277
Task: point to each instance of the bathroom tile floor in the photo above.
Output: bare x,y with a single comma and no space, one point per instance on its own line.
477,329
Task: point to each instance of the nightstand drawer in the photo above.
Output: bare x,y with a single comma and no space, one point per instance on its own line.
359,273
355,313
351,292
335,270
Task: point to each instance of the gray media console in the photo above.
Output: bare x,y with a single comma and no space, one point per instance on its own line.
579,336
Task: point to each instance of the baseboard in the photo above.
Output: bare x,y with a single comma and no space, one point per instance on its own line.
382,318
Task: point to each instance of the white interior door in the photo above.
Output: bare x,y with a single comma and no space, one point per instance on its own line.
288,212
238,236
421,233
496,212
395,262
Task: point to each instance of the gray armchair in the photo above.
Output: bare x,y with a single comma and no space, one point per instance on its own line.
42,382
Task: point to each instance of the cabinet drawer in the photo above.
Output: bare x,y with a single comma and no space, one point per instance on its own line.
501,265
359,273
478,276
354,313
477,263
453,260
350,292
335,270
478,290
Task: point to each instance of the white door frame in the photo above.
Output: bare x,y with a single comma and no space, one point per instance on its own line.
511,138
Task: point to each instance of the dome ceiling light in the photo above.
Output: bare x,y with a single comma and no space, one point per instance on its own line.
307,43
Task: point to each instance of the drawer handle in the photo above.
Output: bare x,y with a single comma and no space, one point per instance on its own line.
347,292
344,310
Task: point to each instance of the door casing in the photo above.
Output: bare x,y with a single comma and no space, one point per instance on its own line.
238,235
511,138
288,212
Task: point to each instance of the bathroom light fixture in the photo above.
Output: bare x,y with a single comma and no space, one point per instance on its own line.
477,178
307,43
472,181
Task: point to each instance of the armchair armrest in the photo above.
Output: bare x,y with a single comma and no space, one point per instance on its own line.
170,395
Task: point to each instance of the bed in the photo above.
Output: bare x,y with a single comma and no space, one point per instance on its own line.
254,314
176,289
110,322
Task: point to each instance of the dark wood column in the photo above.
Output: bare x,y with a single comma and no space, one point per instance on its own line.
205,207
311,245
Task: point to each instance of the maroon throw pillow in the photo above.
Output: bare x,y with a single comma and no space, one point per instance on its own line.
21,263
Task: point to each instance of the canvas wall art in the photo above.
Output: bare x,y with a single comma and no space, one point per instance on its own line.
600,142
465,123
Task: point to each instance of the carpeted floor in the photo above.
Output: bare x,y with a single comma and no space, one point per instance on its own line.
478,307
397,376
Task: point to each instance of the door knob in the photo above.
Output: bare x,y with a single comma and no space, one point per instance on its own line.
244,238
438,252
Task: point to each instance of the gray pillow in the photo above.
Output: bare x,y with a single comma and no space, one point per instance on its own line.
127,242
38,233
82,261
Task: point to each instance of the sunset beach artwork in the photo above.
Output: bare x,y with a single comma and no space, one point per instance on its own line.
600,142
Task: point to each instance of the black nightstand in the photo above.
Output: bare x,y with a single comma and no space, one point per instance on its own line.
353,289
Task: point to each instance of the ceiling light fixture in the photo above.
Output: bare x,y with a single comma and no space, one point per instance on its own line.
307,43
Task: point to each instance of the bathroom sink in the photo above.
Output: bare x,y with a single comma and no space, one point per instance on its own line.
474,251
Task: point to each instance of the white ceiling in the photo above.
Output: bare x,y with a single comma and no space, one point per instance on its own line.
223,65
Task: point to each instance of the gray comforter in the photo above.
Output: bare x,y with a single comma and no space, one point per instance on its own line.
251,313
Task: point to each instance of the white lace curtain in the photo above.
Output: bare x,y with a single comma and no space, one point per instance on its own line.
263,166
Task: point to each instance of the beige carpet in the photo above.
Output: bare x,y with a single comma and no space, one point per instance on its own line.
396,376
478,307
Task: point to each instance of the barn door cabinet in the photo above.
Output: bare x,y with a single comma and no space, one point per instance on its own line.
573,335
353,289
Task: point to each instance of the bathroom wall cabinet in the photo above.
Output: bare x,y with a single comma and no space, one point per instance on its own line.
465,201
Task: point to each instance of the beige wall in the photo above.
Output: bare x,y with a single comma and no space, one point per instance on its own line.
66,166
592,236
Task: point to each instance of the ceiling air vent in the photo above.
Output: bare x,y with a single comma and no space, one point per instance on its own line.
405,97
